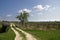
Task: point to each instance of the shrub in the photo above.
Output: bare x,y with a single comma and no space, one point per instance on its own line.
5,26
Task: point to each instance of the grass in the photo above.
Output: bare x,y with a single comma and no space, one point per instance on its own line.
45,34
9,35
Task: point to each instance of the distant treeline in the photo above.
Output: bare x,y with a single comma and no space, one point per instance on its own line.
41,25
44,25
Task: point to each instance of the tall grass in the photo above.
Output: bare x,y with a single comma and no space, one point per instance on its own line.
45,34
9,35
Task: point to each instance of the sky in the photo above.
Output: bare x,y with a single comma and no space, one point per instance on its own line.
39,10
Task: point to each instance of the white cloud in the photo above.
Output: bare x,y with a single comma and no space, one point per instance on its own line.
26,10
20,11
38,7
8,15
46,7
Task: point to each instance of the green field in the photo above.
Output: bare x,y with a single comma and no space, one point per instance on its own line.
38,34
7,35
45,35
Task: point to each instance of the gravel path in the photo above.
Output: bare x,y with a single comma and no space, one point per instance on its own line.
17,37
28,36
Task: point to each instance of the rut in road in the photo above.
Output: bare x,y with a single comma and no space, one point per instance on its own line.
28,36
17,37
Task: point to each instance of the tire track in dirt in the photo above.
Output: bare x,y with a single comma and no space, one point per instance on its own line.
17,37
28,36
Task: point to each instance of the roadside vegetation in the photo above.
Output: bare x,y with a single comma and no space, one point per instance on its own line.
35,30
9,35
45,34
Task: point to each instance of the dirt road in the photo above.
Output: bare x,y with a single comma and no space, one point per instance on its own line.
18,37
28,36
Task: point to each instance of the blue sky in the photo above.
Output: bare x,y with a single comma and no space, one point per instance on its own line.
41,10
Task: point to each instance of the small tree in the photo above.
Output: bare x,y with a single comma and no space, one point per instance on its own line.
23,17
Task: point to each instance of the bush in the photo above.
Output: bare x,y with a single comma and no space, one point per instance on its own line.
5,26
